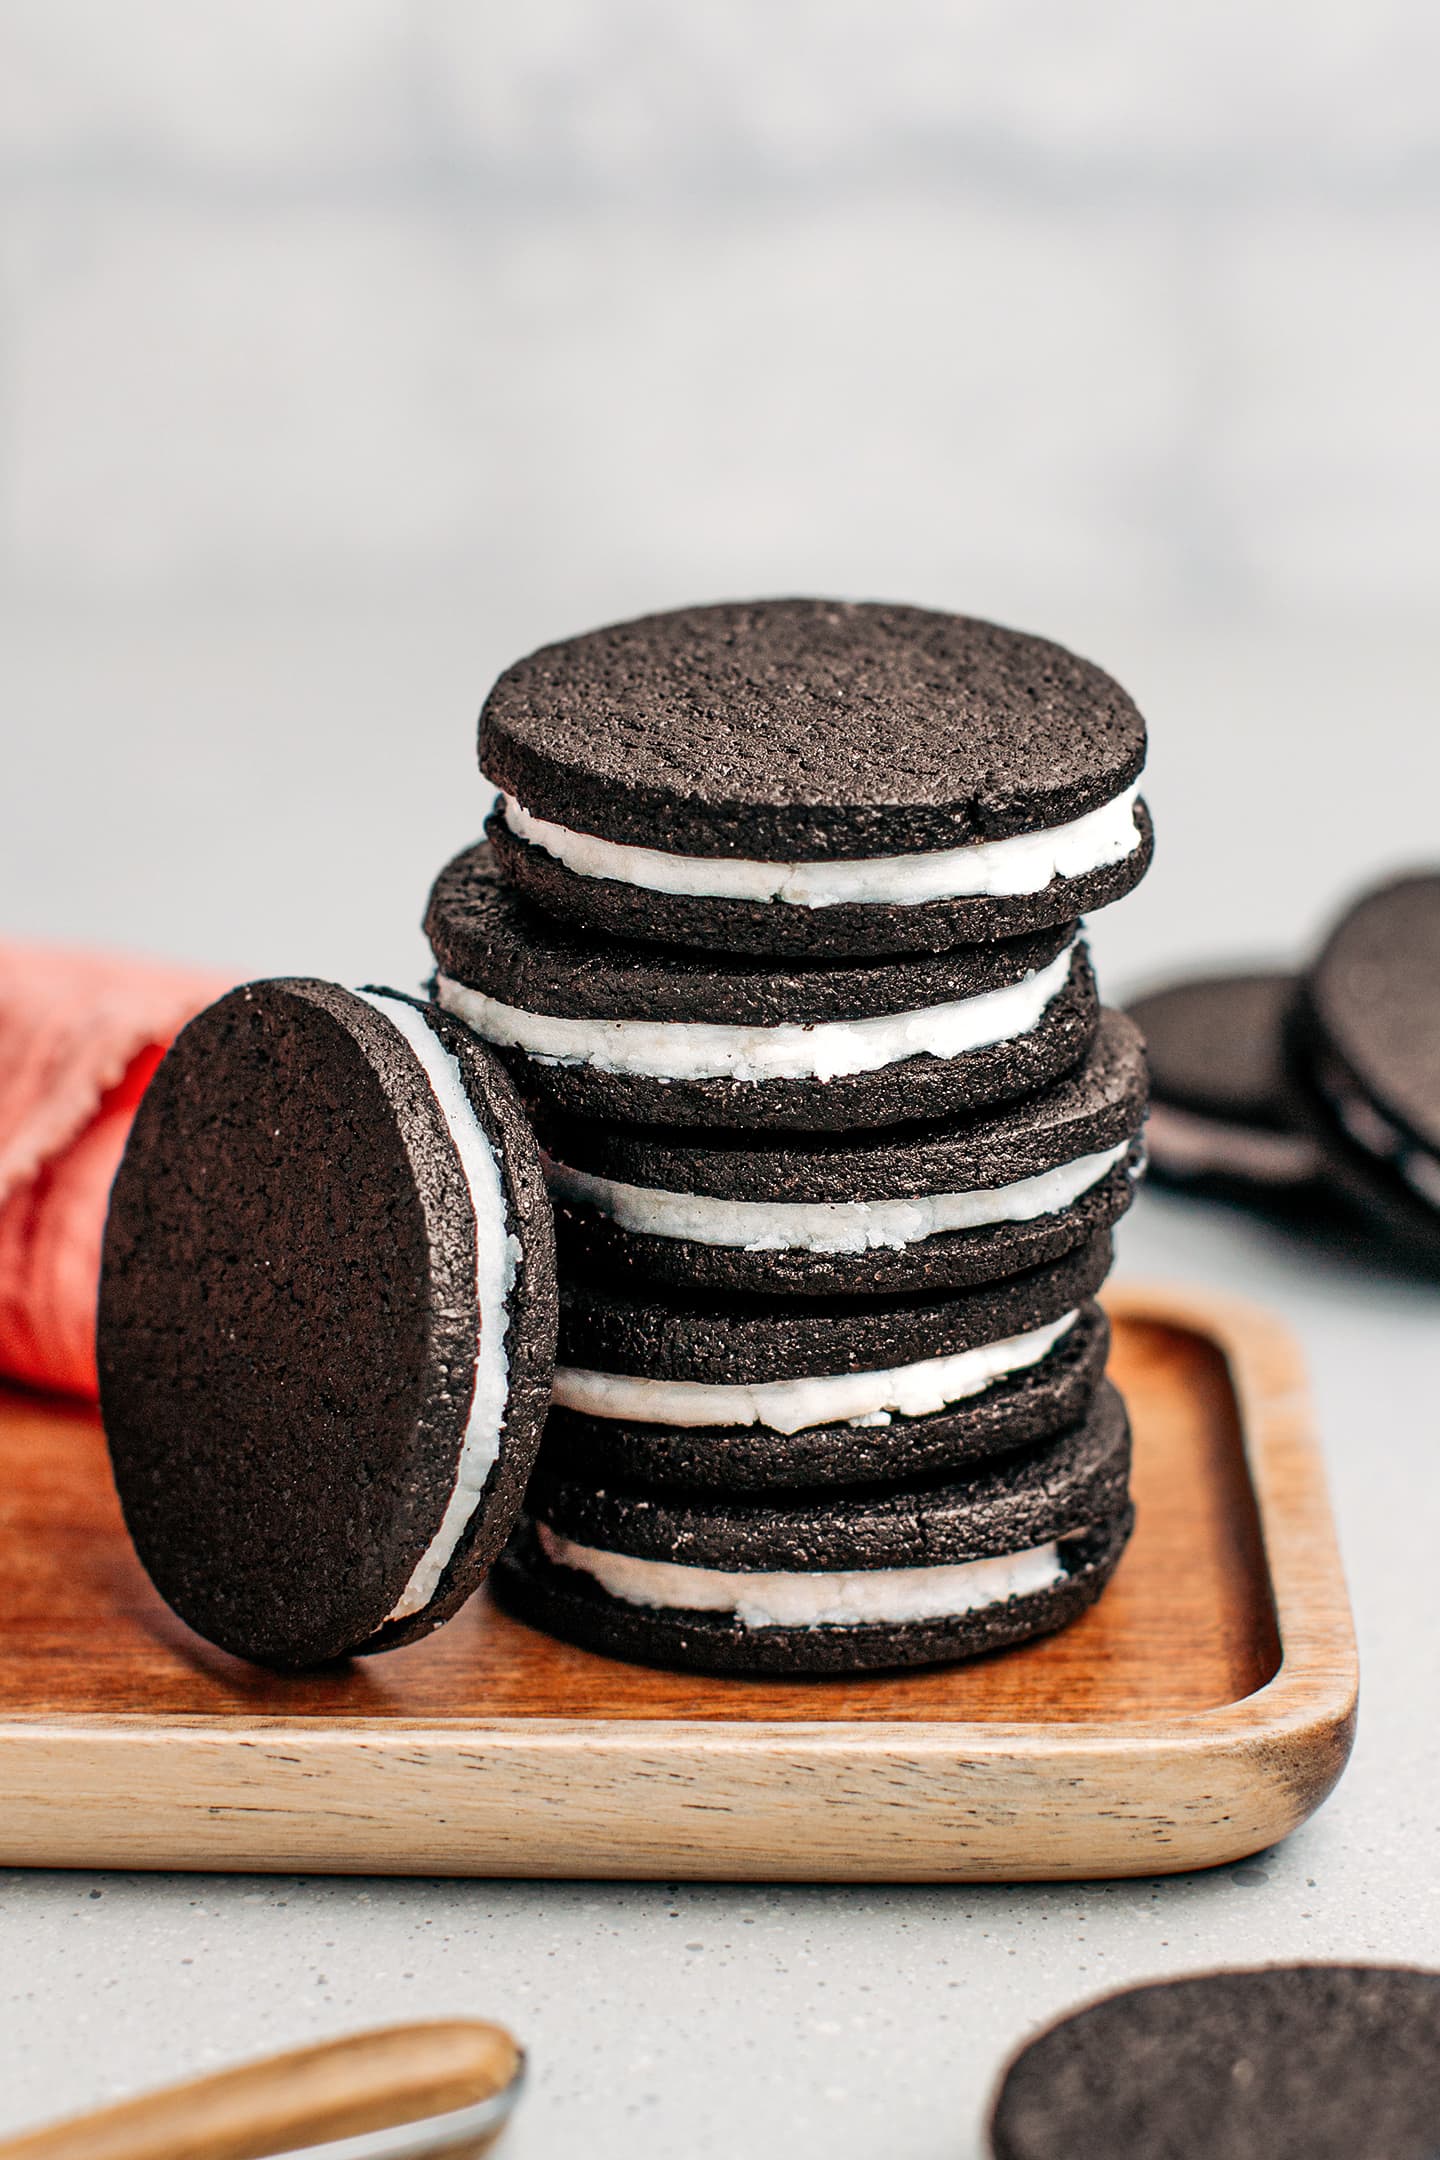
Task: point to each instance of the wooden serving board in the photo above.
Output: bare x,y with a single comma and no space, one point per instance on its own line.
1199,1712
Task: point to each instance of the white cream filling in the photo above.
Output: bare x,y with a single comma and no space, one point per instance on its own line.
1377,1136
1421,1173
1024,863
791,1406
815,1050
497,1254
1373,1132
827,1226
1184,1144
841,1599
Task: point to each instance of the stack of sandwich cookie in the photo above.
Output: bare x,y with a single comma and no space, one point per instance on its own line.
776,930
643,1033
830,1582
888,1208
749,1393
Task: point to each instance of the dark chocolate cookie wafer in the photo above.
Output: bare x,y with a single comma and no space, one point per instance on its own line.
640,1034
327,1320
1223,1113
1365,1047
811,777
1286,2062
830,1585
1024,1406
745,1341
739,1393
1377,1215
907,1208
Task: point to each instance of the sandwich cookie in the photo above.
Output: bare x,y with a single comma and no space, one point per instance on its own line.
1223,1112
1366,1052
756,1393
814,778
327,1320
634,1034
1285,2062
906,1208
898,1577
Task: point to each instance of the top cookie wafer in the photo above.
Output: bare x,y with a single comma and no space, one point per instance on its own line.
814,777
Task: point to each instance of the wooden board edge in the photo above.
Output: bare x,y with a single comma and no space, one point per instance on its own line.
737,1801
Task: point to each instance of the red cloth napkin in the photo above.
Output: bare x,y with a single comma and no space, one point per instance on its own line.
80,1035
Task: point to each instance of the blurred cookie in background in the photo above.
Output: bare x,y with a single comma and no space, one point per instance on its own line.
1364,1060
1314,1095
1224,1118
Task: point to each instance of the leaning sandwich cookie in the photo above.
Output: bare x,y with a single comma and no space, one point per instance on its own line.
862,1582
327,1320
814,778
861,1214
743,1394
634,1033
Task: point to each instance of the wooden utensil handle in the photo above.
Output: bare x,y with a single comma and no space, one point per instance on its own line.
369,2081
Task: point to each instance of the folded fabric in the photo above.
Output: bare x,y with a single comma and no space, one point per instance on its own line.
80,1035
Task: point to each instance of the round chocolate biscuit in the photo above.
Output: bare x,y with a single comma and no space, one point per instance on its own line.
1056,1490
1283,2062
803,732
1372,997
327,1320
806,727
486,938
1070,1495
1012,1413
1380,1213
829,1215
744,1341
595,1247
1223,1114
650,1036
1102,1101
607,907
1365,1043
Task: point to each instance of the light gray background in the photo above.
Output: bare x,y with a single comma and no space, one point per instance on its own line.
349,348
